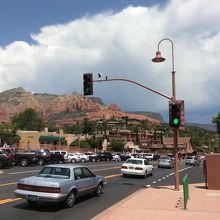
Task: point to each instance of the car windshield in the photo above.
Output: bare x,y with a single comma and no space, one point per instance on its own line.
164,158
131,161
55,172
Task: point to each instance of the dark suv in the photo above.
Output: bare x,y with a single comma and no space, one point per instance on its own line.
5,159
106,156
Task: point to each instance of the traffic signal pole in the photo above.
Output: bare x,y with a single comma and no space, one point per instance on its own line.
159,58
131,81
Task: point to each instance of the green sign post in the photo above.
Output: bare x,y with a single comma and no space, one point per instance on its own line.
185,190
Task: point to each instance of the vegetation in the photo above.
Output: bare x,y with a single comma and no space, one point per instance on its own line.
29,120
117,145
8,135
216,121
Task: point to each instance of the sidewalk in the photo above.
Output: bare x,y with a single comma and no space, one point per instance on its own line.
165,203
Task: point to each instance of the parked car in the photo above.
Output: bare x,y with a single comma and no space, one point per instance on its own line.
92,156
156,156
165,162
25,158
190,160
198,160
124,157
63,152
45,156
73,158
5,159
116,157
137,166
60,183
148,156
105,156
83,157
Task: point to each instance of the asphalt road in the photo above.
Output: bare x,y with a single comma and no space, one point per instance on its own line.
87,207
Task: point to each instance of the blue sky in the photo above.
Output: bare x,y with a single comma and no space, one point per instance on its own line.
19,18
47,45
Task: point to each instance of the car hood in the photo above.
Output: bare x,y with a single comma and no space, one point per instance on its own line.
42,181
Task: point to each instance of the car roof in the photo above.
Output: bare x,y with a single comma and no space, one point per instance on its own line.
136,159
71,166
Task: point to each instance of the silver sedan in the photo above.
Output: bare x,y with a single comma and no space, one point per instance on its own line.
60,183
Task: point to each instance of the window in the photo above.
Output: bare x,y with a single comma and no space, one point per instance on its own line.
146,162
87,173
78,173
55,172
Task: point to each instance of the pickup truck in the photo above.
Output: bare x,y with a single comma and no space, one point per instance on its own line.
25,158
45,156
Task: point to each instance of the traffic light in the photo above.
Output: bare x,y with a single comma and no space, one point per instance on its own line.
87,84
176,113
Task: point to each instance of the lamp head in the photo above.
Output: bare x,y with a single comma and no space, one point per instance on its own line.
158,58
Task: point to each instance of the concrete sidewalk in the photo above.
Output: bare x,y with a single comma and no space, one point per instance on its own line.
166,203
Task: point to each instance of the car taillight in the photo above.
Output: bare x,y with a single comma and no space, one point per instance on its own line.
138,168
124,167
38,188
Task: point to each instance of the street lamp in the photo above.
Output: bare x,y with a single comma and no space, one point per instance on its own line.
158,58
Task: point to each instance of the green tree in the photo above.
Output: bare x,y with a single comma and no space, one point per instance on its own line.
29,120
216,121
88,127
8,135
117,145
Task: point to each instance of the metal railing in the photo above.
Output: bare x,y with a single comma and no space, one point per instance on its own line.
185,190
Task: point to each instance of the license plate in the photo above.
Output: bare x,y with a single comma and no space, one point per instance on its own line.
131,168
32,198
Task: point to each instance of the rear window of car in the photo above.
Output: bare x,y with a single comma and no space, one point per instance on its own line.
132,161
55,172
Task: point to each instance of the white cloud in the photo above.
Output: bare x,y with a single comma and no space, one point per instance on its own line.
122,44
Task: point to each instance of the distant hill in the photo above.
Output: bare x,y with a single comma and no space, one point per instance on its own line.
153,115
209,127
61,109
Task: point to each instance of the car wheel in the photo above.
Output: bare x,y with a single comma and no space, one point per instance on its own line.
13,163
1,163
70,200
73,161
159,166
145,175
107,159
24,162
124,175
40,162
93,160
98,191
82,160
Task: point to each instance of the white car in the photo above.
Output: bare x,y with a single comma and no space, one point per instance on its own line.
82,157
73,158
137,166
116,157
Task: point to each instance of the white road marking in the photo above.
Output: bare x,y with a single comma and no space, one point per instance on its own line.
163,178
154,181
31,171
148,186
159,180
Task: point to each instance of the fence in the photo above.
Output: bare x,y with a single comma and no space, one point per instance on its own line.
185,190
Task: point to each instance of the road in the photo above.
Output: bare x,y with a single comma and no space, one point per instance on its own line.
89,206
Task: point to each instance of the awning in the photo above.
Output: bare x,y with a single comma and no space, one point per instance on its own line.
49,138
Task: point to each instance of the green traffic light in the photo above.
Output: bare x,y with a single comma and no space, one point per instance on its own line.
176,121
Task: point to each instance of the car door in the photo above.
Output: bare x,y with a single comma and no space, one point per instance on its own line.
84,182
148,166
90,179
